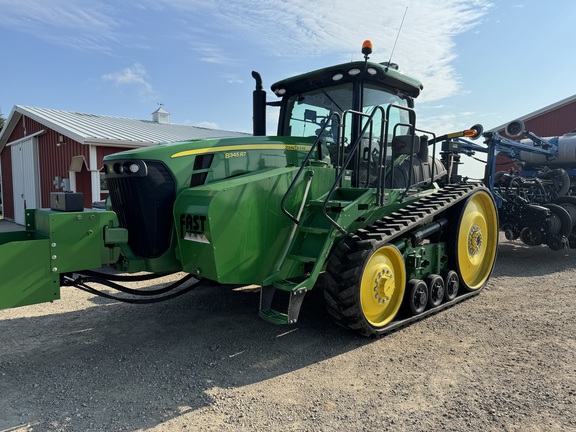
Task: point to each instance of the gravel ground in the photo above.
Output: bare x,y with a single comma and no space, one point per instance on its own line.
503,360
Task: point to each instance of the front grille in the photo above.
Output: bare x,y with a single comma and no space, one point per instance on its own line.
144,204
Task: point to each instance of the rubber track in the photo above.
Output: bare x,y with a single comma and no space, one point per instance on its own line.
406,219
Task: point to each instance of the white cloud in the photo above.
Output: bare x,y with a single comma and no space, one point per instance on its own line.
71,23
135,75
425,49
210,53
295,28
233,79
207,125
444,122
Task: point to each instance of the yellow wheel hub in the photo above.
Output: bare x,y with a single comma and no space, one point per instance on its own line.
474,240
477,240
382,285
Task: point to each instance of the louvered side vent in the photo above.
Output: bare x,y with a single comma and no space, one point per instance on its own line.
144,204
201,163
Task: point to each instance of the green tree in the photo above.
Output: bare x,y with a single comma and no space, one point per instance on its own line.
2,121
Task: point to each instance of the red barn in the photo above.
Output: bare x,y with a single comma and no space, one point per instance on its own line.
47,150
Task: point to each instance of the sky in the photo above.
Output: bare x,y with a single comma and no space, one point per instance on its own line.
480,61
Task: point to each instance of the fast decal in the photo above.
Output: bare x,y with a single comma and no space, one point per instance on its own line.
192,228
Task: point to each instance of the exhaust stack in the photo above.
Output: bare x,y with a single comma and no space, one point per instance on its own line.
258,107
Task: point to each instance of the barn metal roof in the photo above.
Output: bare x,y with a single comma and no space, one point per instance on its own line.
105,130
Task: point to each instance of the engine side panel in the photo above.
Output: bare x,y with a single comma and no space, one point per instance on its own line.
234,231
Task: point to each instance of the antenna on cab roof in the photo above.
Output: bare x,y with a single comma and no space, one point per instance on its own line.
396,41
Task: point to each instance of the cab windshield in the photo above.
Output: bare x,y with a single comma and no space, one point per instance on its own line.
308,112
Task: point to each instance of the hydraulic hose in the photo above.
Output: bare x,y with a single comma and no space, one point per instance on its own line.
81,282
122,278
135,292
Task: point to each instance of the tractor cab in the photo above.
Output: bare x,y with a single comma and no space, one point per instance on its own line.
361,111
311,100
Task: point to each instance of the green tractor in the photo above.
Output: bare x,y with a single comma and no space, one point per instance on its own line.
348,198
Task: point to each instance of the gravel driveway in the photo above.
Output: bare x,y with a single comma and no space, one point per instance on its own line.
503,360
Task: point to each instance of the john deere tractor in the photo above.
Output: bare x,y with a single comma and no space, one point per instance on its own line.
347,198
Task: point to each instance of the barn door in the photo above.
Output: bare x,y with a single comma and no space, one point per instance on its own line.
25,178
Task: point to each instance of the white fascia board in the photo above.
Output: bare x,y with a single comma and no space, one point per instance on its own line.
118,143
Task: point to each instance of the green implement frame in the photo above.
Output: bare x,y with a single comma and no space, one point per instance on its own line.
54,243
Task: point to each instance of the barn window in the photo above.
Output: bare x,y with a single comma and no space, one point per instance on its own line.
103,183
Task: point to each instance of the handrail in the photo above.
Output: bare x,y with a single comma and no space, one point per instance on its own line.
353,149
295,226
430,142
369,124
342,162
433,151
412,126
304,162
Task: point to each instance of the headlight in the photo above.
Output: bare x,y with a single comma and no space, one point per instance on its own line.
131,168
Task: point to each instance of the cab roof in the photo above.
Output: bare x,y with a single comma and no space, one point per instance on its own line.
376,73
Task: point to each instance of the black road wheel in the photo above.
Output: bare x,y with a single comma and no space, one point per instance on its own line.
531,237
561,222
452,282
435,285
365,283
416,296
474,240
559,228
568,203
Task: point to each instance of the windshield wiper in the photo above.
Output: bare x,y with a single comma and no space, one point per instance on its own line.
328,96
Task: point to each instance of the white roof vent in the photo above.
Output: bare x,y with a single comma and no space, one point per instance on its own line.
161,116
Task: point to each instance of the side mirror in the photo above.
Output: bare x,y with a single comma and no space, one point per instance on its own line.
310,115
